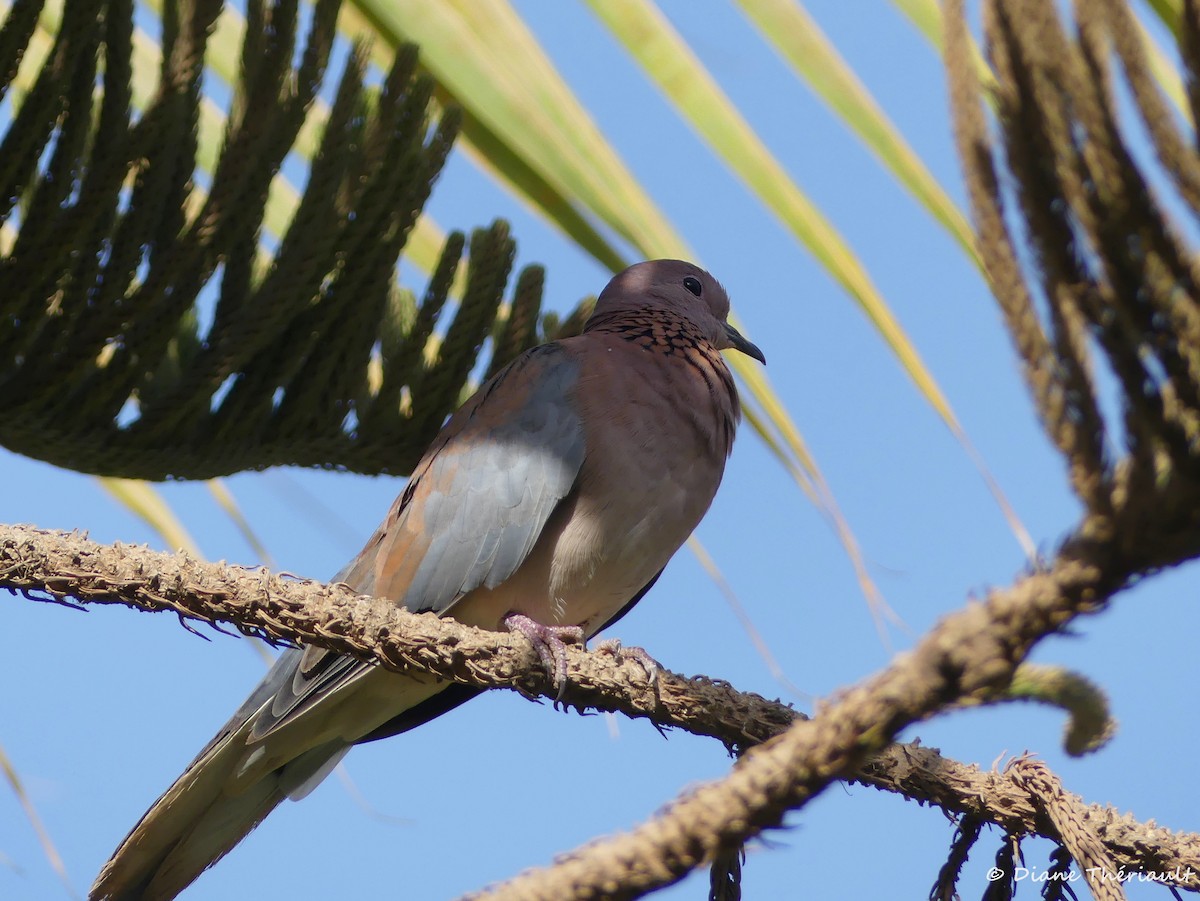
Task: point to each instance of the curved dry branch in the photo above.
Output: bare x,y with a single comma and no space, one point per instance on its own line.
62,566
970,655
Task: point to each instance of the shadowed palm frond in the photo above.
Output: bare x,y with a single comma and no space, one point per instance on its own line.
151,327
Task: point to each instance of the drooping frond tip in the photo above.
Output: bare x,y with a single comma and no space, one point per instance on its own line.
1100,279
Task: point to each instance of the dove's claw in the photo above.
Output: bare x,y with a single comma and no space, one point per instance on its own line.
636,654
550,644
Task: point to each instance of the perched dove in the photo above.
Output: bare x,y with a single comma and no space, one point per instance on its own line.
549,504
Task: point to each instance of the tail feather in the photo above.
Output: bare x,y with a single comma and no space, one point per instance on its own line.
297,782
213,836
287,736
197,821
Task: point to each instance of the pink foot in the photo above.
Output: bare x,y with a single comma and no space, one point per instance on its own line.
636,654
550,644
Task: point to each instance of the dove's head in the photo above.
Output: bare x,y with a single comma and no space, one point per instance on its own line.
676,289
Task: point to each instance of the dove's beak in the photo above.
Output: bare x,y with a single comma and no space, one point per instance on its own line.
737,342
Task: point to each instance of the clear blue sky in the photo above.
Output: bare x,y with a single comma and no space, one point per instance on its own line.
103,709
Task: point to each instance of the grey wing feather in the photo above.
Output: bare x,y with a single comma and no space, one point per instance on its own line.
495,496
493,499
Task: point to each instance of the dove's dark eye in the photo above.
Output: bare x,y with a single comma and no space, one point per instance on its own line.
692,284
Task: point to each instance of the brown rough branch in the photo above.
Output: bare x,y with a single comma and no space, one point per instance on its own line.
66,565
970,655
1064,811
279,607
